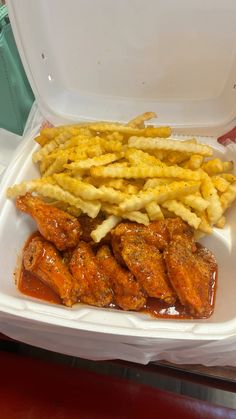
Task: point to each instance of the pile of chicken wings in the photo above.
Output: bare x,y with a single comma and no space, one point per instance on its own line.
132,263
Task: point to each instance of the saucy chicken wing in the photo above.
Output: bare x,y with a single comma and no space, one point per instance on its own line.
55,225
154,234
127,291
42,259
179,230
93,285
147,264
190,275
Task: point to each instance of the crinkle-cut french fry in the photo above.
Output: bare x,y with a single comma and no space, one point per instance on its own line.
183,212
167,144
159,195
217,166
95,161
51,132
120,164
91,208
195,161
92,180
137,216
111,195
111,146
138,121
221,222
154,211
204,226
45,163
145,172
116,136
56,166
176,157
71,154
94,150
104,228
228,196
220,183
119,184
194,201
213,167
124,129
47,188
41,140
229,177
136,157
77,187
152,183
209,192
76,153
79,141
49,147
22,188
228,166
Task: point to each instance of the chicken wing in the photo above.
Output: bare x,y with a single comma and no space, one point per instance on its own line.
179,230
155,234
55,225
191,275
127,291
147,265
93,285
41,258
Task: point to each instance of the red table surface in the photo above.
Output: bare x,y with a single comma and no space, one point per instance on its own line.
37,389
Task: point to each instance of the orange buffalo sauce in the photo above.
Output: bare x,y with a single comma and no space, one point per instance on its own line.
30,285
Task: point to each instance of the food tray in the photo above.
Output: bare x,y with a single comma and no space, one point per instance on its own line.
221,242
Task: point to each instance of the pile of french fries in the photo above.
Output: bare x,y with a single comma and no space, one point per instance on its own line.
133,172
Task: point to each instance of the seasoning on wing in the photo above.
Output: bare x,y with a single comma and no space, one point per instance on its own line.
191,275
179,230
147,264
155,234
128,294
42,259
93,285
55,225
134,246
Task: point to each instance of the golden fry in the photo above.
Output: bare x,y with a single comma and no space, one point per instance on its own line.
138,121
159,195
183,212
172,145
143,172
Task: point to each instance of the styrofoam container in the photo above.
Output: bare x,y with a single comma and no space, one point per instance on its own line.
109,60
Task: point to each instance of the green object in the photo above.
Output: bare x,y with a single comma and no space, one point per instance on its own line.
16,96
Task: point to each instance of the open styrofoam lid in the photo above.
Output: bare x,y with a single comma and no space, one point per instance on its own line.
109,59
